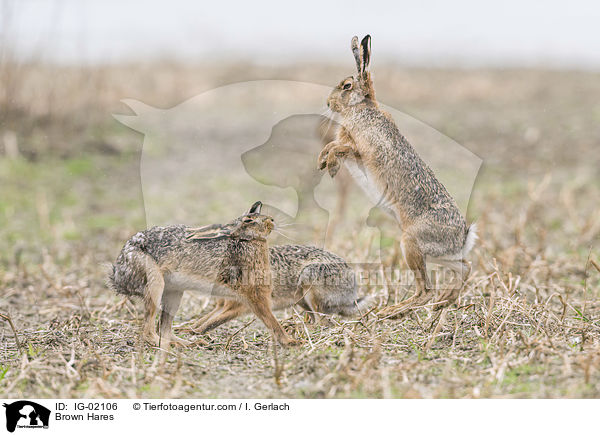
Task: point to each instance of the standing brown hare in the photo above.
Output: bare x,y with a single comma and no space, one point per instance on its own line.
388,168
226,261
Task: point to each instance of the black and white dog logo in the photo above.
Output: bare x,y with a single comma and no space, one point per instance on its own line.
26,414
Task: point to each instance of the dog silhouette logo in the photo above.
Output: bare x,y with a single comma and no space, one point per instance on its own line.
26,414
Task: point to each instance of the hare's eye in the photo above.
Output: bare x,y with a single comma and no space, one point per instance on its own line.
247,220
347,86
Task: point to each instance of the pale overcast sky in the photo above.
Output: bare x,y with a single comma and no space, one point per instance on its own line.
432,33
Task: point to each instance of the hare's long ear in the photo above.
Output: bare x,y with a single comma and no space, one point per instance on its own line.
365,76
213,231
366,54
256,208
357,55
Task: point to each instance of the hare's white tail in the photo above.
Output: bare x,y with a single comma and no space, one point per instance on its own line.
470,239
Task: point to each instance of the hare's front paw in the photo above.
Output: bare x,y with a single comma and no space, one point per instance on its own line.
332,154
333,165
329,159
323,158
325,153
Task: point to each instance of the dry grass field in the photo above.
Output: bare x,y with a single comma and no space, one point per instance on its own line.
527,323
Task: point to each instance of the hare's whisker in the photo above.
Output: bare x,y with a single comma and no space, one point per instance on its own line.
327,113
283,235
280,230
290,224
284,223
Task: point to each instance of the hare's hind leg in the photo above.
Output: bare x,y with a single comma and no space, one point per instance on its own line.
311,284
450,295
225,311
171,300
327,289
312,305
416,262
194,325
309,311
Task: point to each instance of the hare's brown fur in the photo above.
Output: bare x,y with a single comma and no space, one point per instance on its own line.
316,280
381,159
228,261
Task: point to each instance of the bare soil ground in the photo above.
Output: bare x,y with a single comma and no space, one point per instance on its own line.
527,323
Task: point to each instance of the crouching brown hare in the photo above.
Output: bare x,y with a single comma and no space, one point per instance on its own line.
316,280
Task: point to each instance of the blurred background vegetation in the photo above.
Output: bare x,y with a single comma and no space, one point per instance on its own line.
70,191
